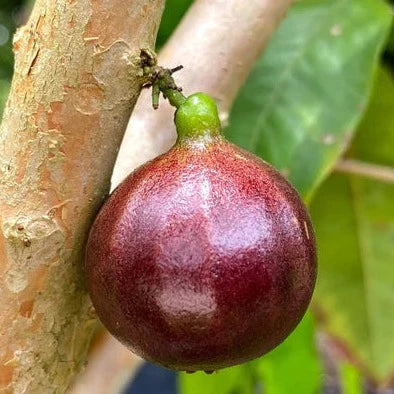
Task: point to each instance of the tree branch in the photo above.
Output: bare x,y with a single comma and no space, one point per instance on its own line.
366,170
77,77
217,42
109,370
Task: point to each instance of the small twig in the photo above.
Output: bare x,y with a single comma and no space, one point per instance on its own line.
175,69
367,170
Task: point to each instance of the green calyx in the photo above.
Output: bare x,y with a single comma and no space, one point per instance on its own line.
197,117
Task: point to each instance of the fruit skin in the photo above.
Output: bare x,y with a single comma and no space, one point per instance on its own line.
202,258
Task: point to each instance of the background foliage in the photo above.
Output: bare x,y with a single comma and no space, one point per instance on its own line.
322,91
11,15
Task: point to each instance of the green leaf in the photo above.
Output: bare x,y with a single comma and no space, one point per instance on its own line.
350,379
354,223
306,94
374,140
390,43
294,366
235,380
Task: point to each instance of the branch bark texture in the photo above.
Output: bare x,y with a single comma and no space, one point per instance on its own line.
77,77
217,42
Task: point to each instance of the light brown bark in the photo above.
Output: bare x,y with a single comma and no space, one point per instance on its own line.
77,77
218,42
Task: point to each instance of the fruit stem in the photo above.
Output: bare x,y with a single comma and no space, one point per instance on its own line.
196,116
161,80
165,83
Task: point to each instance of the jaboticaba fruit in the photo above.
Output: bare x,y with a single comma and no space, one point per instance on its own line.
204,257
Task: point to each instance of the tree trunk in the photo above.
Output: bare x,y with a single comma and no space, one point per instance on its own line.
77,77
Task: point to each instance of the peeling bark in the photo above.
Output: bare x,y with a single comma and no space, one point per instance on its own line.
218,42
77,77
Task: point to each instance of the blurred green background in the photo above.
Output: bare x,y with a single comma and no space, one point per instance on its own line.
12,14
319,105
